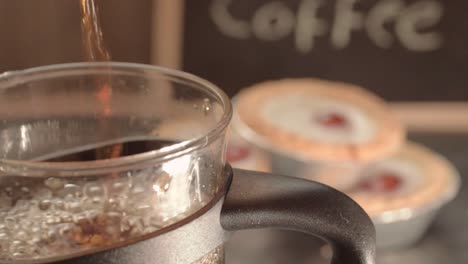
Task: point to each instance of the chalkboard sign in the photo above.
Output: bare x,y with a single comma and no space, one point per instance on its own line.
402,50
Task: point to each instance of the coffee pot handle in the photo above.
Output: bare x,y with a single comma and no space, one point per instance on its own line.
260,200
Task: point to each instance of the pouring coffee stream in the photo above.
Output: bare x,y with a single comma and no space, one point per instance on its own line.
96,50
93,41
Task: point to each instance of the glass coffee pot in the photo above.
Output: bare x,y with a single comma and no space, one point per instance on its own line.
125,163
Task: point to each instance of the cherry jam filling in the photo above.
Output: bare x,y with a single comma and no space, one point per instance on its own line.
333,120
237,153
384,182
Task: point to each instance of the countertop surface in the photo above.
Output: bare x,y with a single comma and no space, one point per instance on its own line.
446,241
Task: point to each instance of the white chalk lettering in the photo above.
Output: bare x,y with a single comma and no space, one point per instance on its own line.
273,21
387,23
226,23
308,25
382,13
346,20
419,16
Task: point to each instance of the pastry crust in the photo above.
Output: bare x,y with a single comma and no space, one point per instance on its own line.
439,183
388,138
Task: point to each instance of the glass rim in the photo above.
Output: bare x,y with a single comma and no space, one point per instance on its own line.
81,168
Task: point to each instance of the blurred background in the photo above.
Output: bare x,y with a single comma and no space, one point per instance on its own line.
405,51
35,33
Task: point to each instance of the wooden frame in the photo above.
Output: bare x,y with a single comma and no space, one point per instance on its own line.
433,117
167,33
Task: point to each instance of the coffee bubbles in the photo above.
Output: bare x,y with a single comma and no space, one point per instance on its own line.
57,216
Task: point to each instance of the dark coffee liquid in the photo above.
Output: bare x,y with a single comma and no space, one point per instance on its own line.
128,148
54,216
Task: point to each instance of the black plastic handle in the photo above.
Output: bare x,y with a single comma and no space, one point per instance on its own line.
258,200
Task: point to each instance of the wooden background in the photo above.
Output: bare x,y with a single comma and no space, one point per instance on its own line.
35,33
